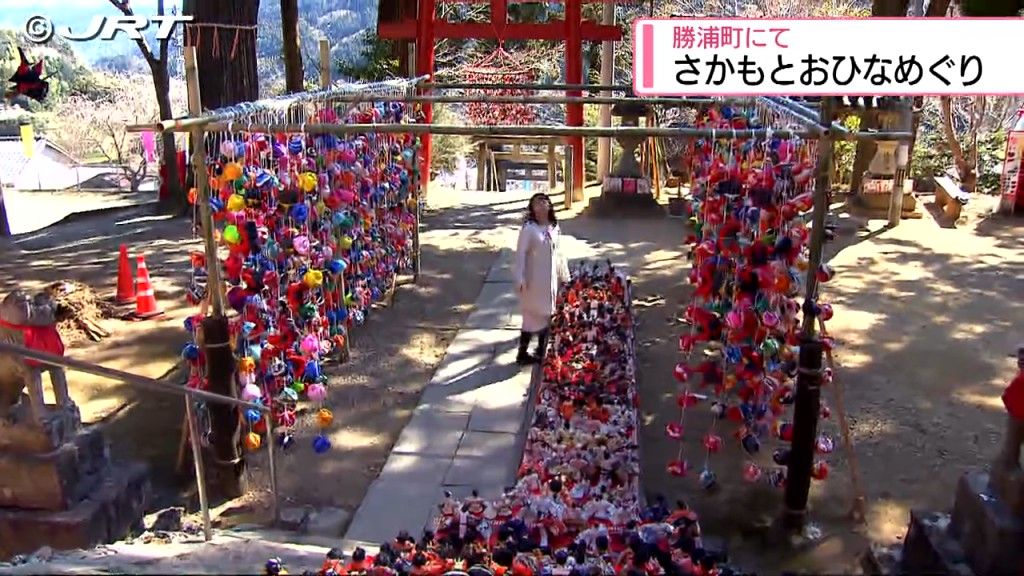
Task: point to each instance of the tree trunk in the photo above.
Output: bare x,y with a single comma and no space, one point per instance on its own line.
293,72
224,34
937,8
177,200
966,169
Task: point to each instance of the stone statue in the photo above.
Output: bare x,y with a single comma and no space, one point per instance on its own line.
29,321
1006,470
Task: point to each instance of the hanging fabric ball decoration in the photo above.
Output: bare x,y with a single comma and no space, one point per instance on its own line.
324,418
232,171
246,364
751,472
236,203
308,181
681,372
285,440
286,419
708,479
677,468
251,393
253,441
313,278
230,235
321,444
310,344
190,352
712,443
820,470
316,392
253,415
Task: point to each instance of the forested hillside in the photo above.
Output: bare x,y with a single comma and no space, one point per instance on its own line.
341,21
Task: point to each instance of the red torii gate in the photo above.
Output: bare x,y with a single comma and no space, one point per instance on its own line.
425,31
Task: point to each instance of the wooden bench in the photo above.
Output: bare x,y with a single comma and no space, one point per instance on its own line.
949,197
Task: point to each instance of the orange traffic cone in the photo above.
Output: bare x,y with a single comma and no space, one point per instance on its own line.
125,283
145,302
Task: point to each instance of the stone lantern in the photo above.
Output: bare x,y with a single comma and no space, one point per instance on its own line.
629,114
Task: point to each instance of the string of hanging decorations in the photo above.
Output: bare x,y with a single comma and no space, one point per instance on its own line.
501,67
313,229
750,199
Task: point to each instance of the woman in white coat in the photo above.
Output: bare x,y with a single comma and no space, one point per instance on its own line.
540,267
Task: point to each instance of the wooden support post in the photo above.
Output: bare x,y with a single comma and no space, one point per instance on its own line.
325,83
226,464
425,67
325,63
481,166
604,145
417,215
807,399
567,177
552,168
574,75
656,167
5,224
497,180
905,122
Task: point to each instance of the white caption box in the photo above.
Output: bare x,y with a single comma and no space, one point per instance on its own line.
828,57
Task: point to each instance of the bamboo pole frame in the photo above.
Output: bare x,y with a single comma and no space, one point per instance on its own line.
532,87
531,99
325,83
417,196
248,109
348,96
541,131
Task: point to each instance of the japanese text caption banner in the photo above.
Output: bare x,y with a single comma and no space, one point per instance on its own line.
828,57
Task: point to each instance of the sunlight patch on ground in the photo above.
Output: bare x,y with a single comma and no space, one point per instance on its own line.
868,427
661,258
857,323
969,331
993,401
895,345
850,359
354,438
887,520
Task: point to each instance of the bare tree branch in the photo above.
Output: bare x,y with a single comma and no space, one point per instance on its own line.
96,129
126,9
165,43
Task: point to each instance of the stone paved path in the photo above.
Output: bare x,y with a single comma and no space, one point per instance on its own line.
467,432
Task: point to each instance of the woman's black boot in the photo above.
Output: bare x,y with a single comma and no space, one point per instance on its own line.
542,344
523,358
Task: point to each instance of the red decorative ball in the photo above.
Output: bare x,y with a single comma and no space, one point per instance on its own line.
677,468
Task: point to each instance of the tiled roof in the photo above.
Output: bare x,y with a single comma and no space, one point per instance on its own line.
14,164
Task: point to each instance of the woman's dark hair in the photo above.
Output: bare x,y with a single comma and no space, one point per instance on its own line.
551,209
